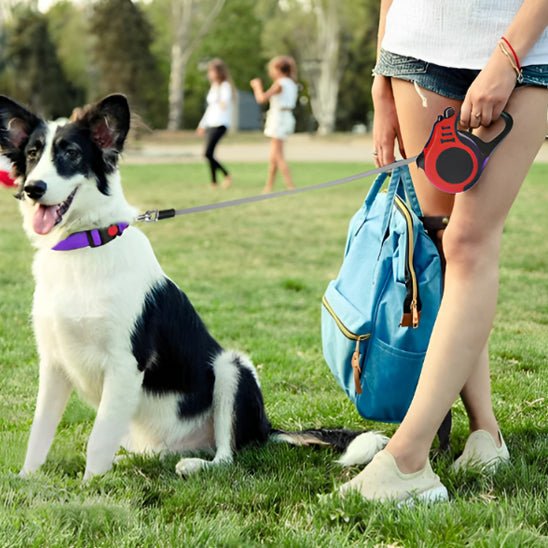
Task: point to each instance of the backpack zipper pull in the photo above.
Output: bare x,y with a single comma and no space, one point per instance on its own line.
415,313
356,368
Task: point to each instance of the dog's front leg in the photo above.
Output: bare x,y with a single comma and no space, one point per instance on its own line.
53,393
119,401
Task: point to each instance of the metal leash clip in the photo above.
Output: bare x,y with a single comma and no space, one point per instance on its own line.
150,216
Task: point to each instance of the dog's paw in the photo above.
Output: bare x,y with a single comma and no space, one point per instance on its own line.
188,466
24,474
121,458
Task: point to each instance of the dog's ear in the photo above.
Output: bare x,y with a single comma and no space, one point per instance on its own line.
16,123
108,121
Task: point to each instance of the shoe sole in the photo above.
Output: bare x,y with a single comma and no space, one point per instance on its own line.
437,494
490,466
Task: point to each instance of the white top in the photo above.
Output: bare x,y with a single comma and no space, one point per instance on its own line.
287,98
454,33
219,106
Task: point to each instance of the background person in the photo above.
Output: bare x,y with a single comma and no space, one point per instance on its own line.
480,58
280,122
217,117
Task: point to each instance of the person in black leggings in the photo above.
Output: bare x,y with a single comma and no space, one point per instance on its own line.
217,117
213,136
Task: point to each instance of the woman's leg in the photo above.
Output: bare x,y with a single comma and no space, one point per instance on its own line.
476,396
214,135
416,124
282,164
471,244
272,167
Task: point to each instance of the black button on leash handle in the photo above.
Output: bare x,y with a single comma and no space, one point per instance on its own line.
453,160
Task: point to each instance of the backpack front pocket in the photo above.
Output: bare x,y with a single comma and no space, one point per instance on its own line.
344,337
389,379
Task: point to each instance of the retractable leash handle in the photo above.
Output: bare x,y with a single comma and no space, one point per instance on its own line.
453,160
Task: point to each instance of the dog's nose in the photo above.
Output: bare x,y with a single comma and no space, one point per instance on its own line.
35,189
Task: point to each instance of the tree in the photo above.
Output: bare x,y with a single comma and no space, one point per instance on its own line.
191,19
354,103
319,34
122,51
325,79
68,27
38,77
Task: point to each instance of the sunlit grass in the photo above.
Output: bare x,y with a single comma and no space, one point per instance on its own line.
256,274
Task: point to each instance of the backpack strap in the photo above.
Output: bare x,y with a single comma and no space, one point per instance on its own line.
393,187
409,189
374,190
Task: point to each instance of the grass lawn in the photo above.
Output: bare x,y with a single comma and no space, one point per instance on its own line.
256,274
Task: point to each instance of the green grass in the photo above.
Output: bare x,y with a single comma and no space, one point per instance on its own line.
256,274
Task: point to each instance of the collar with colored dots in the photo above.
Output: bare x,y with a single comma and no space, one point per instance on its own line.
91,238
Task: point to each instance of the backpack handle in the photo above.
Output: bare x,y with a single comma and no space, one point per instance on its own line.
378,183
400,181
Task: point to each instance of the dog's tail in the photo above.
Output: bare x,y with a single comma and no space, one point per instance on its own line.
357,447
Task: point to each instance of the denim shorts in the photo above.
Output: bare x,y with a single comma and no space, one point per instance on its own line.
452,83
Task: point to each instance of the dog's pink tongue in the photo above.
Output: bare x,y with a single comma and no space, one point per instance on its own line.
44,219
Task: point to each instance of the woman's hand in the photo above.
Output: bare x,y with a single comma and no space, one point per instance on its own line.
200,131
386,129
489,92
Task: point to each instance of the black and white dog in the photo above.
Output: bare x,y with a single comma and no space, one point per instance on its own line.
111,325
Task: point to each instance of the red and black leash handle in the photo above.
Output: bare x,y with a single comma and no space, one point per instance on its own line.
453,160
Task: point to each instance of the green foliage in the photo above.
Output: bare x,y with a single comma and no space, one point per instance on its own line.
355,102
235,36
94,48
291,28
256,274
37,76
68,26
122,51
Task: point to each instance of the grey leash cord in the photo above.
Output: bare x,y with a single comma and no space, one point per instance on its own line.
153,215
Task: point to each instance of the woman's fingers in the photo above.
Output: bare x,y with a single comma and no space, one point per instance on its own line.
400,142
466,112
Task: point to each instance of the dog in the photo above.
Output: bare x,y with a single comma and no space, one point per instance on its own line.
111,325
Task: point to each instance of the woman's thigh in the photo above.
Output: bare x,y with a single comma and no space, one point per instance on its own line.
416,124
482,210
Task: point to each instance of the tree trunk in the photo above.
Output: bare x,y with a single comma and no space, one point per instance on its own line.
325,81
184,43
182,16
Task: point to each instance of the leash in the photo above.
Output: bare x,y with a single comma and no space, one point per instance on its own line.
153,215
453,161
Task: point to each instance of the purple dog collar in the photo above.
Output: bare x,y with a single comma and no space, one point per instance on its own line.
91,238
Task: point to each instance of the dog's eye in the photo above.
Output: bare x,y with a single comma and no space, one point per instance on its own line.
72,154
32,154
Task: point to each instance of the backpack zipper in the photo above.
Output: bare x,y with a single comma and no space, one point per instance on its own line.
355,360
411,306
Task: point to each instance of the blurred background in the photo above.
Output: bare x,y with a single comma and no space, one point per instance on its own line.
57,54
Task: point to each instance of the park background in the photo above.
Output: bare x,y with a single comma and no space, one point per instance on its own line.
256,274
156,52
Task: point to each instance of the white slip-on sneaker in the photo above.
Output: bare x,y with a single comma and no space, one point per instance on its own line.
481,452
382,480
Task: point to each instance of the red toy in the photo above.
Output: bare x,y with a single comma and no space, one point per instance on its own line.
6,179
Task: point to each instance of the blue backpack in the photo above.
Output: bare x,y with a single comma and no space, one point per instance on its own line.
378,314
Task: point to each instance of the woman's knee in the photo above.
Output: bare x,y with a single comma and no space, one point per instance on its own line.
470,247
